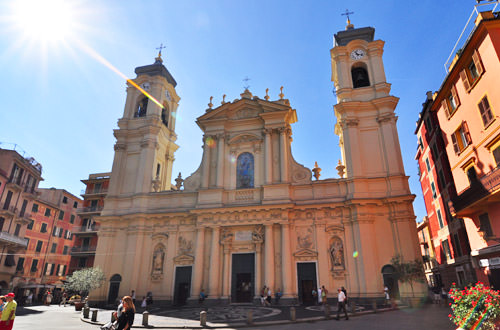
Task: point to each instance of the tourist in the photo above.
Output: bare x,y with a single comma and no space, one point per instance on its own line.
324,292
203,296
126,319
64,297
149,298
341,304
277,296
269,296
315,296
48,298
29,301
144,303
3,300
387,296
8,313
319,296
263,294
133,296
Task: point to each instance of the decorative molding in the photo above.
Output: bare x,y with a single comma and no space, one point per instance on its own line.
184,259
305,255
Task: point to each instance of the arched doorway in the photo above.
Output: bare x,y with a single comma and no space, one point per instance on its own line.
391,280
114,288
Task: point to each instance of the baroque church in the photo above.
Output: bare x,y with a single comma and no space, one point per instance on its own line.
250,215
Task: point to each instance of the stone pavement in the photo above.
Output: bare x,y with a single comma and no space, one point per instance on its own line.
428,317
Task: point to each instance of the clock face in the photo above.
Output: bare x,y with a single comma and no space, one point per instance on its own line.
146,86
357,54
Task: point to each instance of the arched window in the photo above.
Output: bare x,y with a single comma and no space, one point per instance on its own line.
244,170
164,116
142,108
359,76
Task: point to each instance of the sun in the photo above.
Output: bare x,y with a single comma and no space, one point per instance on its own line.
45,21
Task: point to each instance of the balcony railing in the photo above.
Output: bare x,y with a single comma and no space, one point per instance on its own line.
10,208
12,239
94,191
85,229
83,249
89,209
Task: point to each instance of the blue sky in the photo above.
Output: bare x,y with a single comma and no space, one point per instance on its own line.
61,105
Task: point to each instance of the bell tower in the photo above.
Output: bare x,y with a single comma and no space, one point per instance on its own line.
366,122
145,139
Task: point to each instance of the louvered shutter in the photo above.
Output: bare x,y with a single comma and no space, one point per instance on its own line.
467,133
455,96
445,107
477,62
465,79
455,143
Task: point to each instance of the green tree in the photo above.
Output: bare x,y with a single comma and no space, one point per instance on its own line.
409,271
85,280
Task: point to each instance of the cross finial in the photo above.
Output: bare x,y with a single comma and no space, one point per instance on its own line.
160,48
246,86
347,13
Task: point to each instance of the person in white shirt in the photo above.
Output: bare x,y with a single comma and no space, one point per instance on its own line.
341,304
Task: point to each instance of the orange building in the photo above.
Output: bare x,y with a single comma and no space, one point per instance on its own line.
467,107
50,237
19,178
83,252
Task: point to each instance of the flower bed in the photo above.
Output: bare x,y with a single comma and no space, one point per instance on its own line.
475,308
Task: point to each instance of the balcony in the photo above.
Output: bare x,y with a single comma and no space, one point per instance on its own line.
430,264
85,230
89,210
8,211
15,183
83,250
12,240
90,192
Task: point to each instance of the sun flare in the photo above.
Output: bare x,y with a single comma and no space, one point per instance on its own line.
49,20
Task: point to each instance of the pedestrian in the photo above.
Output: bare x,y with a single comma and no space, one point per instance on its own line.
324,292
263,293
444,296
387,296
149,298
269,296
346,297
315,296
8,313
341,304
3,301
277,296
132,295
319,296
29,301
126,319
203,296
144,303
64,297
48,298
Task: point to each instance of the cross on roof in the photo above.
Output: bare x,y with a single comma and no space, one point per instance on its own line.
347,13
160,48
246,86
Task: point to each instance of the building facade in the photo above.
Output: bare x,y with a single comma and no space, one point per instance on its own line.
19,179
250,215
47,259
83,253
448,238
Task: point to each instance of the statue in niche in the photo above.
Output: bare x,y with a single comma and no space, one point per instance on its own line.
305,239
185,246
336,250
158,259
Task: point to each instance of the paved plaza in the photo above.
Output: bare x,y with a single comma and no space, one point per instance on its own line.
59,318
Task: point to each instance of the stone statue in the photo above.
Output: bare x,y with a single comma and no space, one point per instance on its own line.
185,246
336,253
258,234
158,258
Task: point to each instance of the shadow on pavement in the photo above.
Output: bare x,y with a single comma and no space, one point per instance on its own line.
26,311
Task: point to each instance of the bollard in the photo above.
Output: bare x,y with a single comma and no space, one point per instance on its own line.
374,306
293,315
203,318
145,318
353,307
86,311
250,317
94,315
327,311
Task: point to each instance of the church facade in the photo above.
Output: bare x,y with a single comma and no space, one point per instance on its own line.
250,215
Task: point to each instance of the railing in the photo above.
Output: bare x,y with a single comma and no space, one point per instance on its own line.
10,208
83,248
85,229
93,191
90,209
12,239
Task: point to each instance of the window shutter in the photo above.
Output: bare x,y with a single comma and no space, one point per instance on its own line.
477,62
455,143
487,109
455,96
483,111
445,107
465,79
466,132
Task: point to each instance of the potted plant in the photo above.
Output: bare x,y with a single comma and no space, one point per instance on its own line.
410,272
476,307
84,281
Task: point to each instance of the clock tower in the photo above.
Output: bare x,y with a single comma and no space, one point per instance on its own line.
145,138
366,123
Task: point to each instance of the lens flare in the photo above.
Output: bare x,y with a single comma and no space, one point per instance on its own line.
355,254
210,142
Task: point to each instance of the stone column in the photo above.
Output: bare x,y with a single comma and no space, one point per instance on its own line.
286,261
258,269
268,157
226,293
214,264
283,162
145,175
220,160
198,262
205,170
269,256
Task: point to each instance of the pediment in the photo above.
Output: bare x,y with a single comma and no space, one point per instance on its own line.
305,253
184,259
242,138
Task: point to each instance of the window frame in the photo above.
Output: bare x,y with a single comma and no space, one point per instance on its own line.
459,136
465,75
486,111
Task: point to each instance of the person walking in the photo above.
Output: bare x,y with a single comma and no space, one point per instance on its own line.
263,296
126,319
319,295
387,296
277,296
314,294
3,301
324,292
8,313
132,295
269,296
341,304
64,298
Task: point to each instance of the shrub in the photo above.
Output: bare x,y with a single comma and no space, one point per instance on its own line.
476,307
